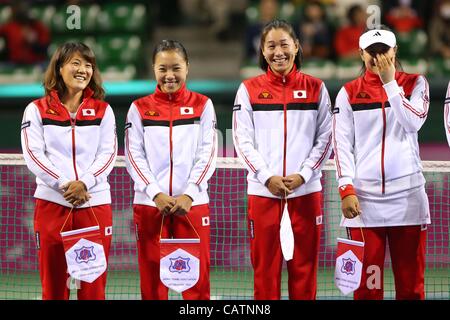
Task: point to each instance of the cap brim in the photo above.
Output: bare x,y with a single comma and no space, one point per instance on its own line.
377,36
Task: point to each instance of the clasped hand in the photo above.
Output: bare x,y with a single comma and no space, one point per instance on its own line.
168,205
282,186
75,192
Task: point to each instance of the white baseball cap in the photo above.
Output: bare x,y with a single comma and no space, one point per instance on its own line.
377,36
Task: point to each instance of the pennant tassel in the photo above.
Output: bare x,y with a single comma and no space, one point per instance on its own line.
286,235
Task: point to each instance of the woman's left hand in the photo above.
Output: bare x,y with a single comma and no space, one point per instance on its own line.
386,67
182,205
76,193
293,181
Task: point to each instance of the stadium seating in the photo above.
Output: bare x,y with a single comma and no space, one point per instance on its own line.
119,31
439,67
118,72
120,17
414,65
323,69
348,68
115,31
411,44
59,40
22,74
45,14
118,49
287,11
2,49
88,20
5,13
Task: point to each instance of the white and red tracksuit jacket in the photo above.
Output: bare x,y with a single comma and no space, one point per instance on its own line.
171,145
282,126
447,114
58,149
375,138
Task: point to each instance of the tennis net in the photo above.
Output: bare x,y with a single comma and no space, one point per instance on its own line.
231,271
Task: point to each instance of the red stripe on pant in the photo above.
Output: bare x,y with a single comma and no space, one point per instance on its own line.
407,251
49,217
264,216
148,222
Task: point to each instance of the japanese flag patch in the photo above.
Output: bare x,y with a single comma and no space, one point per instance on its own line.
88,112
319,220
108,231
299,94
186,110
205,221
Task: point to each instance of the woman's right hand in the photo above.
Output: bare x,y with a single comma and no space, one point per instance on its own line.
276,186
75,192
164,203
350,207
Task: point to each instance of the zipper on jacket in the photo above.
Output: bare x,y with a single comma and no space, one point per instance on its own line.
285,126
72,124
170,146
73,148
383,142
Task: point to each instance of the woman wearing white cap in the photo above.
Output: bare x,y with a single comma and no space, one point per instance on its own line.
376,121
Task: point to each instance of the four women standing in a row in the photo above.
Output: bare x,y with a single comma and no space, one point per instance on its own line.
284,129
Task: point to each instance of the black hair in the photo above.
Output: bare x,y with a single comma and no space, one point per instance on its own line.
279,24
168,45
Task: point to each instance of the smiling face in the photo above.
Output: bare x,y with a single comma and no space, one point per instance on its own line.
171,70
76,73
279,50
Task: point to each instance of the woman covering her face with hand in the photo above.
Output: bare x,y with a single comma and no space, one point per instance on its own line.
171,151
376,121
69,142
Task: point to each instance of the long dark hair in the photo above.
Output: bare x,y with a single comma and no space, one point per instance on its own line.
169,45
53,79
375,48
279,24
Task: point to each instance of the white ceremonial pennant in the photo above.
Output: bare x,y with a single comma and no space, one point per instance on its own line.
86,260
348,272
180,264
